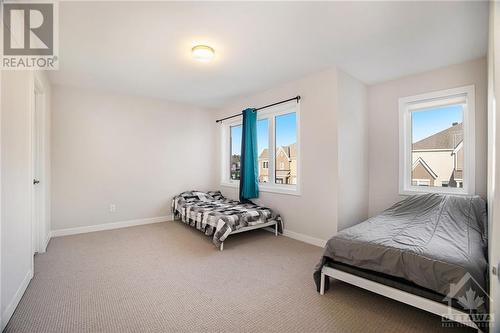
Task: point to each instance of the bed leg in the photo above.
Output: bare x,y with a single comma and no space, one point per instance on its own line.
276,229
322,284
222,246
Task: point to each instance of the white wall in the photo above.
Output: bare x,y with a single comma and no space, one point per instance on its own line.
352,150
16,187
494,158
314,212
383,126
133,152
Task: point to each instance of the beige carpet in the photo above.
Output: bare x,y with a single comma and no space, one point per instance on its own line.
168,277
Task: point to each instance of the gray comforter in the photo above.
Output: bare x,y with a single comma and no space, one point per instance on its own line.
431,240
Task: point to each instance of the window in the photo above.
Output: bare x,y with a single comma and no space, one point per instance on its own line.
278,149
286,149
437,142
235,146
263,149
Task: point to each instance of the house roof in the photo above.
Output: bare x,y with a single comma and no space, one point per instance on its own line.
458,147
290,150
264,154
420,161
449,138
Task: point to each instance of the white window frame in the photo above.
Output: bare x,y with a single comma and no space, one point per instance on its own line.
270,114
409,104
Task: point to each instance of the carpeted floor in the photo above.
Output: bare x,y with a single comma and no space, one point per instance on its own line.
167,277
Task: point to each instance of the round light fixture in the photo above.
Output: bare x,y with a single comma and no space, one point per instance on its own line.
203,53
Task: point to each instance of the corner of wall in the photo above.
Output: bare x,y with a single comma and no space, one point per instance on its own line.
352,143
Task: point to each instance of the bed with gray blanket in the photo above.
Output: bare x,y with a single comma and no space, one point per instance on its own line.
430,241
217,216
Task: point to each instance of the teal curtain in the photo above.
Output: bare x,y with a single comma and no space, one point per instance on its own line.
249,172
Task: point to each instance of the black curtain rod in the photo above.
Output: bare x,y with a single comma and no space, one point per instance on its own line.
297,98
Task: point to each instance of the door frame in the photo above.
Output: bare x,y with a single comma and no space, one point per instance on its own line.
1,92
494,162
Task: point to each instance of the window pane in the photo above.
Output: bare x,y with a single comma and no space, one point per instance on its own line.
235,161
437,146
286,149
263,149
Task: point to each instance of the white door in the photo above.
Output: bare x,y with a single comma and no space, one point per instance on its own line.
37,210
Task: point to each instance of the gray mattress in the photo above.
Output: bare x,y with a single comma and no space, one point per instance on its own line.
431,240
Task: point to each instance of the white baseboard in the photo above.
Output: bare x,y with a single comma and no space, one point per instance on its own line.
45,243
305,238
109,226
123,224
9,311
301,237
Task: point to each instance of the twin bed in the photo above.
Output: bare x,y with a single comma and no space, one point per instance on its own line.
219,217
428,251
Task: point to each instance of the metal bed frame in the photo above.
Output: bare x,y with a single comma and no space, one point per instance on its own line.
420,302
248,228
253,227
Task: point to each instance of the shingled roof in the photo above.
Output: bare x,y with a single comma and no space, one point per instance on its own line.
290,150
446,139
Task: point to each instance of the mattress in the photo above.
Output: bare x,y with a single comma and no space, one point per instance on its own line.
434,241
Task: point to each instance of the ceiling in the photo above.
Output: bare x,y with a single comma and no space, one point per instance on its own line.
143,48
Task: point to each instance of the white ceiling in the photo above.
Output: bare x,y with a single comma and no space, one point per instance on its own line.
143,48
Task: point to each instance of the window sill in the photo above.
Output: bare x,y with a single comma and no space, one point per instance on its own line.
268,189
227,184
436,190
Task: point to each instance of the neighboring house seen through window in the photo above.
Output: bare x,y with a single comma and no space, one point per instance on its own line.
277,131
235,152
437,142
263,144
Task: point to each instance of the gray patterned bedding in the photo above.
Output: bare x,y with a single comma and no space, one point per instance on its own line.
217,216
431,240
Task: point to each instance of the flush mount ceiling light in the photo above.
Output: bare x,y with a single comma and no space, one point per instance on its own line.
203,53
